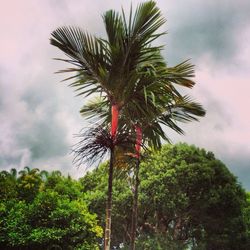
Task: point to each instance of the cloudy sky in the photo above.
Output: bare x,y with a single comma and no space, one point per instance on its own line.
39,115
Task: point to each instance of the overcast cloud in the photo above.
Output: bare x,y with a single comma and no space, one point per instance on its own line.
39,115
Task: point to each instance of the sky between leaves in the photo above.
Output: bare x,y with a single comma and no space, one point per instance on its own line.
39,116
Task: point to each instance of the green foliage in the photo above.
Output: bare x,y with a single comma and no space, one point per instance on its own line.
15,224
65,186
28,183
187,199
247,218
194,196
55,218
8,185
51,215
159,242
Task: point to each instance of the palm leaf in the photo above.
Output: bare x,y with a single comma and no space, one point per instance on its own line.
94,143
87,52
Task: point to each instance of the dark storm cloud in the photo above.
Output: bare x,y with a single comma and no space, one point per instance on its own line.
33,126
45,138
199,27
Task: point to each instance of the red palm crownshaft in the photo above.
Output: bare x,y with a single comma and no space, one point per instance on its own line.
114,121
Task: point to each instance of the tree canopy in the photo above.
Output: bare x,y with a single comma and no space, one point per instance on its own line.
188,200
46,214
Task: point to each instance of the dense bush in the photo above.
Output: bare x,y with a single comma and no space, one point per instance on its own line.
45,213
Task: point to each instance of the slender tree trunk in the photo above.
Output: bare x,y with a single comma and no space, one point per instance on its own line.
135,206
136,187
107,237
113,132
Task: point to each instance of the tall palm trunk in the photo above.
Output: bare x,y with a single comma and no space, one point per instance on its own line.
114,125
107,237
137,182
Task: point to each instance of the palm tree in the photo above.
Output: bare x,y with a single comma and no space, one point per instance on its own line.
110,66
183,110
13,173
44,174
127,72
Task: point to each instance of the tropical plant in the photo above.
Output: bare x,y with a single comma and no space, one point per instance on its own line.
131,77
113,67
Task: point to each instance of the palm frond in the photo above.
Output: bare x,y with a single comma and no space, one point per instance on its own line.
89,54
95,142
181,74
130,45
97,109
115,29
146,21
